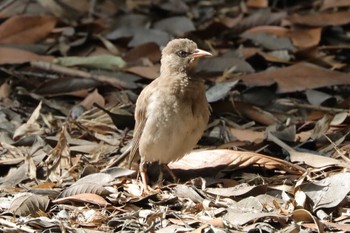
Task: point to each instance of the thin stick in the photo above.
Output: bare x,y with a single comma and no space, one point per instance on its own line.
16,226
312,107
80,73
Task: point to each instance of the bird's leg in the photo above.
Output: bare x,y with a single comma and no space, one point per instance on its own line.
171,173
161,175
143,173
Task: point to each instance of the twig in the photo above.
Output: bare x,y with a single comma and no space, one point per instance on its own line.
117,160
16,226
336,148
79,73
312,107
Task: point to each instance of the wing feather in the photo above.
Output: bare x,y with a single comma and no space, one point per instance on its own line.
140,119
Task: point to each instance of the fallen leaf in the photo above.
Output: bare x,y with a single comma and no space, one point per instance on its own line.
302,215
219,91
327,4
31,126
177,25
24,29
218,65
270,42
29,204
257,3
87,187
198,160
18,56
298,77
310,159
93,98
84,198
329,192
248,135
108,62
150,72
237,218
148,50
321,19
305,37
140,35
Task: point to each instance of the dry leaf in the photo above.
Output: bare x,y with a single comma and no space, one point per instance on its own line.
197,160
84,198
31,127
86,187
298,77
18,56
29,204
302,215
24,29
322,19
329,192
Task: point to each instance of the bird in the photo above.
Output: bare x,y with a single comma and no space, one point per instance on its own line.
172,112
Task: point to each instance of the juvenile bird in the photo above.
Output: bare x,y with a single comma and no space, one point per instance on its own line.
172,112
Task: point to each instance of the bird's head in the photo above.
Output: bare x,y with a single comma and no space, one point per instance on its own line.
178,55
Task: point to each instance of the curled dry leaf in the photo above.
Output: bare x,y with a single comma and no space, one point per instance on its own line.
31,126
322,126
198,160
305,37
83,198
302,215
5,90
59,159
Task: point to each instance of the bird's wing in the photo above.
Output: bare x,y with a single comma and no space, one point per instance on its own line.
140,118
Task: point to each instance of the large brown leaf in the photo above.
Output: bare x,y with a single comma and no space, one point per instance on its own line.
298,77
26,29
18,56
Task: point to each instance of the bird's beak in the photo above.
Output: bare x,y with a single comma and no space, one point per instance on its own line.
200,53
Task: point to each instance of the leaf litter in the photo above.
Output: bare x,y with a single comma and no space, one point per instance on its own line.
275,155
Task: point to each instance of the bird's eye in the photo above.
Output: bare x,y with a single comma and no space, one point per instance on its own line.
182,53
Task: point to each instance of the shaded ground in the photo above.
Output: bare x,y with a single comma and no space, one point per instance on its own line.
273,158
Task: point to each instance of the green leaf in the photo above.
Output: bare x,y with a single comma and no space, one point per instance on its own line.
108,62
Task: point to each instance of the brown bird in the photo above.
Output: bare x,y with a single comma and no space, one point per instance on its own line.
172,112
